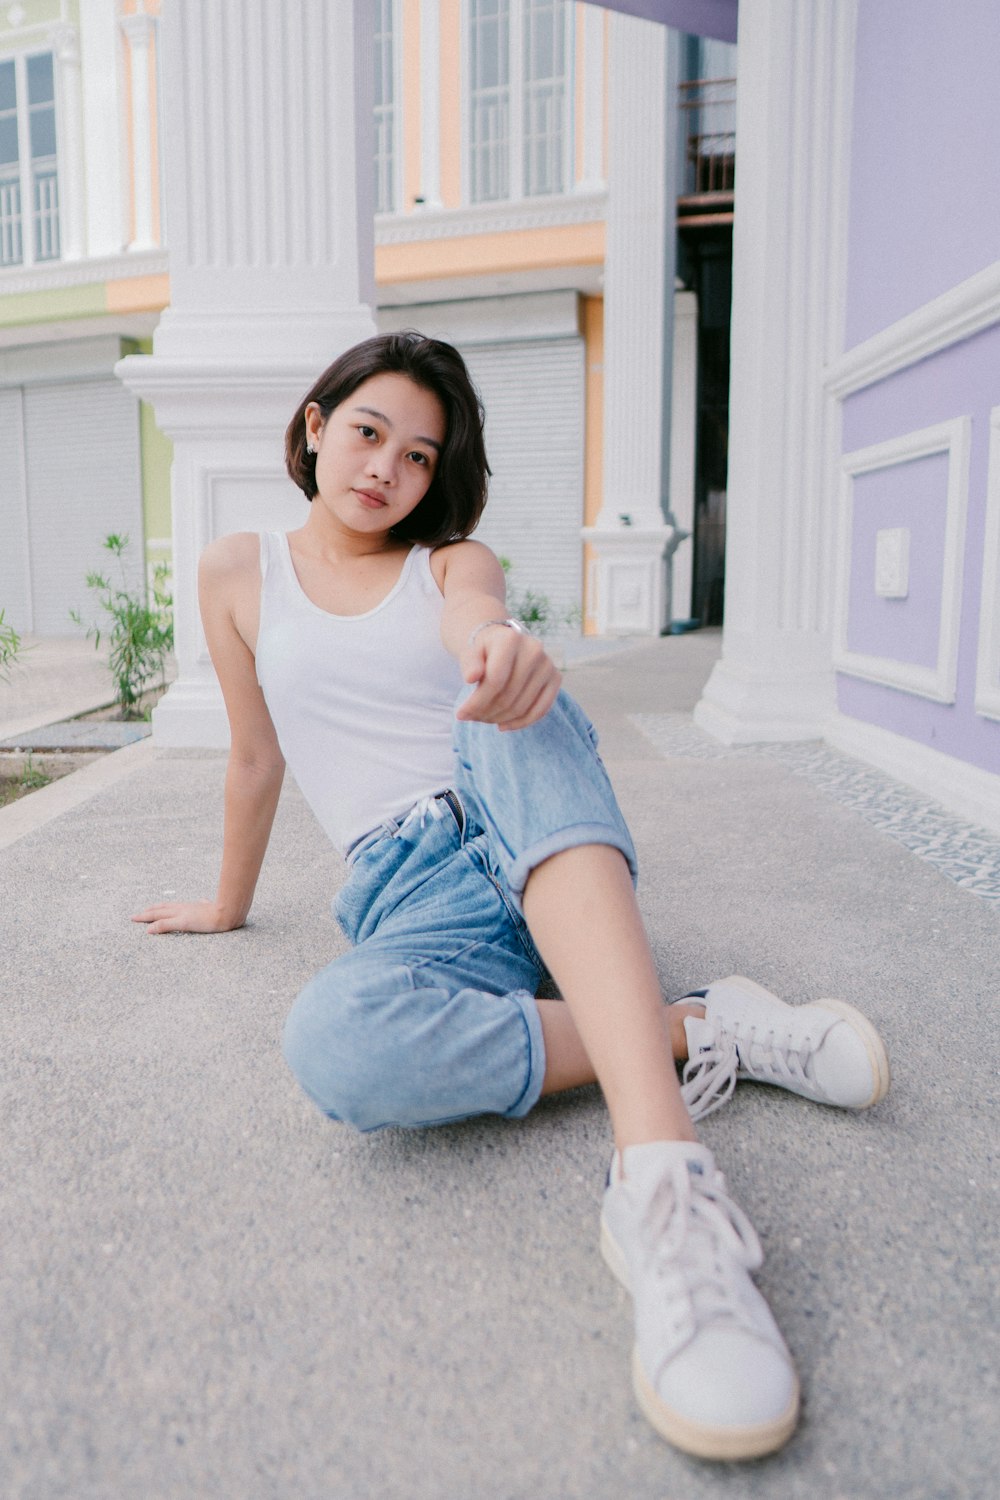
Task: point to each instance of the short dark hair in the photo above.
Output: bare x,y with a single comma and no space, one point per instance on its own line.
456,496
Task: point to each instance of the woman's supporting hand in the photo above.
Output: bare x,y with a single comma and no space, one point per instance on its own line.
517,679
186,916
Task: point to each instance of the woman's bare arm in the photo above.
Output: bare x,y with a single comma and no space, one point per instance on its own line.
517,679
256,765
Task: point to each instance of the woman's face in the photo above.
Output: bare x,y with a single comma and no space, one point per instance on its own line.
376,452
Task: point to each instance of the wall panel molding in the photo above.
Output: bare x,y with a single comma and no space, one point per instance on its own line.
937,682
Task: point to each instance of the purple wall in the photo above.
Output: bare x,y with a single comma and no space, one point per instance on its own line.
925,206
924,215
911,495
962,380
716,18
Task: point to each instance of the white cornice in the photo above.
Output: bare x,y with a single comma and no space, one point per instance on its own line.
964,310
65,273
490,218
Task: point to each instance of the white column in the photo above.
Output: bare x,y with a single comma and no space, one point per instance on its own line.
138,31
591,21
66,48
103,127
631,534
430,104
775,678
266,116
683,443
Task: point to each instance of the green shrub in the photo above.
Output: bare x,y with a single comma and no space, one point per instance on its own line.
140,634
10,646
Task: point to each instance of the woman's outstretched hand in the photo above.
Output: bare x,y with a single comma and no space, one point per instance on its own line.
517,679
185,916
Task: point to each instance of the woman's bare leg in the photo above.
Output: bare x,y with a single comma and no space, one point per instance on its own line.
581,910
567,1064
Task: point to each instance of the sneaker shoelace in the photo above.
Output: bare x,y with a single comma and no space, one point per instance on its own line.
701,1244
710,1076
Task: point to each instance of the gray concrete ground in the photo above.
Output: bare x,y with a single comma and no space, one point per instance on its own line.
53,678
211,1292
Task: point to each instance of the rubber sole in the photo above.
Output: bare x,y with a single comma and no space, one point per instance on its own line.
726,1444
874,1046
729,1444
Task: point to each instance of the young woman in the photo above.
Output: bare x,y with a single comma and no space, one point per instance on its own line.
485,847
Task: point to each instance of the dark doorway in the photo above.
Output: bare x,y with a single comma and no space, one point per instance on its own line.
705,265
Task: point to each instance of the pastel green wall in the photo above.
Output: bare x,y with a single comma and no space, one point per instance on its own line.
50,306
157,457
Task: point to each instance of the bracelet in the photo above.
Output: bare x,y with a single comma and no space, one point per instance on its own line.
510,624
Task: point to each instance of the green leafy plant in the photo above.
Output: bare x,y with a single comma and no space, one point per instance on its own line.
32,776
141,633
10,645
534,611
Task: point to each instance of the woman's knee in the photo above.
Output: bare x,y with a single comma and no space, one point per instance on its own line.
340,1042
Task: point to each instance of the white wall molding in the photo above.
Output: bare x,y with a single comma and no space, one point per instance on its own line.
937,682
988,656
966,790
139,31
964,310
58,274
490,218
683,443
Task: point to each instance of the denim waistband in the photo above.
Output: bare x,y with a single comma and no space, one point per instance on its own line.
391,826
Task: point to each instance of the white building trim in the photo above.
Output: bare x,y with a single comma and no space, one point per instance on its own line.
988,657
630,535
430,106
103,127
491,218
65,42
683,446
959,313
139,32
590,129
58,274
939,681
965,789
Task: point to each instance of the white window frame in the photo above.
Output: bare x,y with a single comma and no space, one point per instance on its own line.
393,114
517,94
25,178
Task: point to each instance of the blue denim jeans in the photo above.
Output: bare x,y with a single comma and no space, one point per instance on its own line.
432,1016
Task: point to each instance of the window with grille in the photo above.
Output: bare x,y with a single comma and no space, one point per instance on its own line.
518,97
386,132
29,180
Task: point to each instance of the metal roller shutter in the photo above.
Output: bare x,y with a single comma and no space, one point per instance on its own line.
533,392
84,481
15,594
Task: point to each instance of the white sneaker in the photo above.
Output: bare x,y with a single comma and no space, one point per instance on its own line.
710,1370
827,1051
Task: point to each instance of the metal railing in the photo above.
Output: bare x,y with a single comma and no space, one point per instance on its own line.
708,110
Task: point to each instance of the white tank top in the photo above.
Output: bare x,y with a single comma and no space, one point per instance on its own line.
362,704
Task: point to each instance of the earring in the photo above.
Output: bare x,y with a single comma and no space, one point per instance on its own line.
310,448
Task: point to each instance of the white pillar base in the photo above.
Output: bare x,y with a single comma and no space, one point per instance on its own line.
768,688
631,578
